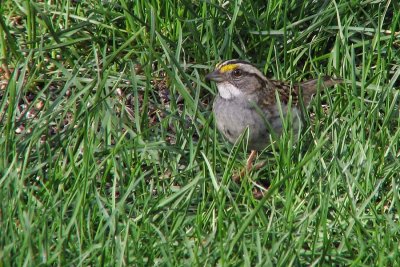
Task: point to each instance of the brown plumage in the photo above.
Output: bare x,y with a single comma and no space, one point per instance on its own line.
306,89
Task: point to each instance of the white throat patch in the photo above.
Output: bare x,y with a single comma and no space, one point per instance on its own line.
227,90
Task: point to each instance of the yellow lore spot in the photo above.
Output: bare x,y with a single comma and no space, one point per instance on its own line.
228,67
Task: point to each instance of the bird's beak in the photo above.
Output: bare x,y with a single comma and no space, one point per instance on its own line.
215,76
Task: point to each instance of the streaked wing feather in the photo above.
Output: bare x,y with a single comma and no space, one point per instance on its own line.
285,90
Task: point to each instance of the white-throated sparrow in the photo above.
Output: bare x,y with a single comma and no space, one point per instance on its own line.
246,98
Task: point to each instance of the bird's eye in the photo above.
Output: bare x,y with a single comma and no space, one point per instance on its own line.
237,73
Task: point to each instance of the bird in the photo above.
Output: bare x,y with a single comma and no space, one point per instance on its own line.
246,99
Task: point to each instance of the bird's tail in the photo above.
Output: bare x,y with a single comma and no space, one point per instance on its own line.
309,88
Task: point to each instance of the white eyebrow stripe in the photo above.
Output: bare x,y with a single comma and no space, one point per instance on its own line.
252,70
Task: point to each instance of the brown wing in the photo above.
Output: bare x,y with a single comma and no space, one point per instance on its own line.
307,88
268,95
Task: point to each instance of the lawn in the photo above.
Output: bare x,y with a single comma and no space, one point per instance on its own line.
110,155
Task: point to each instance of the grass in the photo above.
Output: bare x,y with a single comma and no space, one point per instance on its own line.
110,154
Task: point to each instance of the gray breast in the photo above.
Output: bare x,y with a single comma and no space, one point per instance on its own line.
235,115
